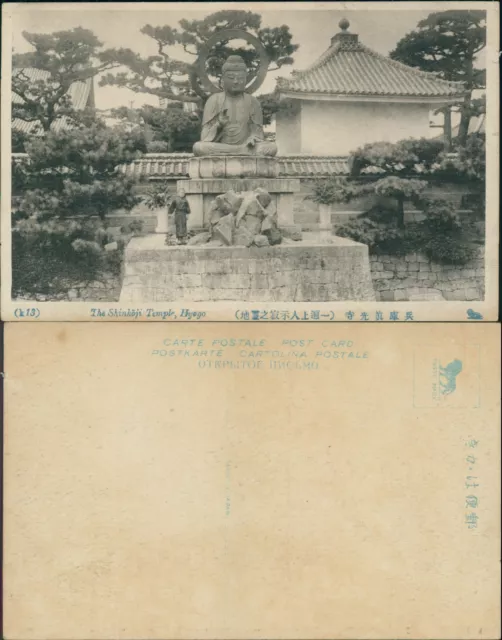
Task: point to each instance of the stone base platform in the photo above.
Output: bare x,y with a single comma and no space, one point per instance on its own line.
304,271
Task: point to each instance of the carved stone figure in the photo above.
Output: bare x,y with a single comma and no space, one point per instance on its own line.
232,123
244,219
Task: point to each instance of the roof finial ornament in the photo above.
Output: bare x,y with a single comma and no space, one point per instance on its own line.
344,24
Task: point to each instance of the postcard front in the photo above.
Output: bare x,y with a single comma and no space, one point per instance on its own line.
239,481
200,162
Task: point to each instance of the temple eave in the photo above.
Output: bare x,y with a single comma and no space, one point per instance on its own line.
369,97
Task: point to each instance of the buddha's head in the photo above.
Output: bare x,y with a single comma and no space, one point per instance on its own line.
234,76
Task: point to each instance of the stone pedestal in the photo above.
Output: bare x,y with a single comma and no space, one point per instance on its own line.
233,167
325,226
201,192
302,271
165,222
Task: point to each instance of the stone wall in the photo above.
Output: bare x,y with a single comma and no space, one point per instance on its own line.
415,277
155,272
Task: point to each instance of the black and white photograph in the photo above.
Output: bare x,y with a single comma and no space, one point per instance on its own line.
310,159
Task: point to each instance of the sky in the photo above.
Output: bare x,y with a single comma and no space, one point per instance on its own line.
116,25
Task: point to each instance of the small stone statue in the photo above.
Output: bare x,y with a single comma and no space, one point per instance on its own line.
181,209
232,123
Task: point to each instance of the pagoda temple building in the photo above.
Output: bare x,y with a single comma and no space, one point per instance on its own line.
352,96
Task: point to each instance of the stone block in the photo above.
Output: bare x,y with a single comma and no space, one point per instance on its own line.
376,266
472,294
285,294
409,281
216,242
321,276
426,296
413,266
259,281
261,240
286,278
216,266
387,296
274,236
386,274
400,295
260,295
224,228
228,294
190,280
200,238
227,281
260,266
380,285
293,233
243,237
238,265
424,266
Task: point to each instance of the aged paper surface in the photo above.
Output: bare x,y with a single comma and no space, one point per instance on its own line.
334,279
306,482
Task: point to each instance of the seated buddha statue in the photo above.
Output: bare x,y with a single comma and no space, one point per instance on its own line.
232,123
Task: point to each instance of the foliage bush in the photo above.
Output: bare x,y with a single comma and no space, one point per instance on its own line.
467,161
50,256
19,139
157,146
403,157
448,250
157,196
332,190
440,235
169,130
381,237
64,190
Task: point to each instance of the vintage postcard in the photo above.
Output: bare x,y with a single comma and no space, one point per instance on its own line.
283,161
229,481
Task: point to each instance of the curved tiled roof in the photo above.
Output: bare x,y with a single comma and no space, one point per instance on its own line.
158,166
350,68
169,166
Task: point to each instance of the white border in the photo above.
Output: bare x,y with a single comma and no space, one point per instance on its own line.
422,311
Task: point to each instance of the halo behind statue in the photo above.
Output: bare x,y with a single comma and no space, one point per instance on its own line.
199,76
